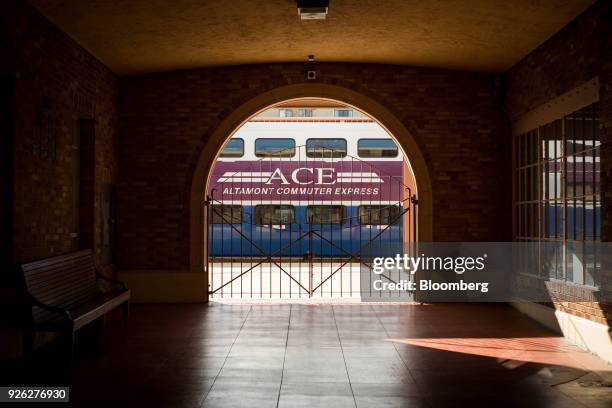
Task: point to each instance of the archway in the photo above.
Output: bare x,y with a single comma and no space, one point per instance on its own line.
242,114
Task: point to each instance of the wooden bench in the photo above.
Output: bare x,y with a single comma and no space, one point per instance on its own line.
63,294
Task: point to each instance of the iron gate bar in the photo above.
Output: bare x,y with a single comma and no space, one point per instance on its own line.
320,233
359,253
376,236
351,257
265,258
207,246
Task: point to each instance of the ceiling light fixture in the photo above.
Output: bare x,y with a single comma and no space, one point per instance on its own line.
313,9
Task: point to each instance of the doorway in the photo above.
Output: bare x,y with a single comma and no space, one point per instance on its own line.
301,198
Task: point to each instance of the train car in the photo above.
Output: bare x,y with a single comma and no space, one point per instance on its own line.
320,188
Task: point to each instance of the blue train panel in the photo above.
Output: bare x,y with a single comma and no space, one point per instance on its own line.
579,221
300,239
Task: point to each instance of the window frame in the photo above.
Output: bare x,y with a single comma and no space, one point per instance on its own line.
294,147
551,188
233,157
377,157
345,152
380,206
255,219
343,215
350,111
213,212
306,112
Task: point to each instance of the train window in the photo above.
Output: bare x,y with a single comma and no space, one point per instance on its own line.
325,148
378,214
325,214
274,147
298,113
343,113
271,214
376,148
226,214
304,113
233,148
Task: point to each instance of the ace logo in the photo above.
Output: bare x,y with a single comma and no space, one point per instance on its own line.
317,176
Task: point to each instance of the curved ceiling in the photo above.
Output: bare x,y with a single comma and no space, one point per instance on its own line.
140,36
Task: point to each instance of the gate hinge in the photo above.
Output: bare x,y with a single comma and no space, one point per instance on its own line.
414,200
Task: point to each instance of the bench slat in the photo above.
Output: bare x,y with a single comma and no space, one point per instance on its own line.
57,268
83,254
58,274
61,299
50,263
83,268
68,282
60,280
56,281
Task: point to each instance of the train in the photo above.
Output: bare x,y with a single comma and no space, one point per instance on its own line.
306,189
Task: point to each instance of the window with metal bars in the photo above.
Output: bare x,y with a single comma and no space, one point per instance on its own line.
325,214
226,214
378,214
557,192
271,214
274,147
321,148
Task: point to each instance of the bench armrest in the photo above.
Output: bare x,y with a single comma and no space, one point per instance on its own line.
111,280
35,302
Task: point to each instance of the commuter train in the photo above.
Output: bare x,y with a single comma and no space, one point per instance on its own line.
306,188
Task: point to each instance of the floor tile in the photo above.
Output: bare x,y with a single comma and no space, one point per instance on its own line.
294,355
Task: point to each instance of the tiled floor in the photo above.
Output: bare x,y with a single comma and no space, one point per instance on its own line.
360,355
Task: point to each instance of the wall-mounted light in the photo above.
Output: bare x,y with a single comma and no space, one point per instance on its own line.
311,71
311,68
313,9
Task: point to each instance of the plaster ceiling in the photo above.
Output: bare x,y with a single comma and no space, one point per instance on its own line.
140,36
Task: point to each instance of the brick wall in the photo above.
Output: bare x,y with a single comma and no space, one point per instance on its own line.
579,52
165,119
57,83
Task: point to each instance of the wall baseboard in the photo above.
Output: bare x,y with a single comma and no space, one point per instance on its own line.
593,337
165,286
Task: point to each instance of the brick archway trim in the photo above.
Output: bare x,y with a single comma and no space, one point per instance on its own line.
243,113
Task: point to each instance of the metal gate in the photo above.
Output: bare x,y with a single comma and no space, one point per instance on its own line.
304,223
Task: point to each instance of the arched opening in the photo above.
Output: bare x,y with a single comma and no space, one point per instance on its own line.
234,121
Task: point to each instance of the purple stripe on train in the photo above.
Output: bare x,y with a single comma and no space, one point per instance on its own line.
307,181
